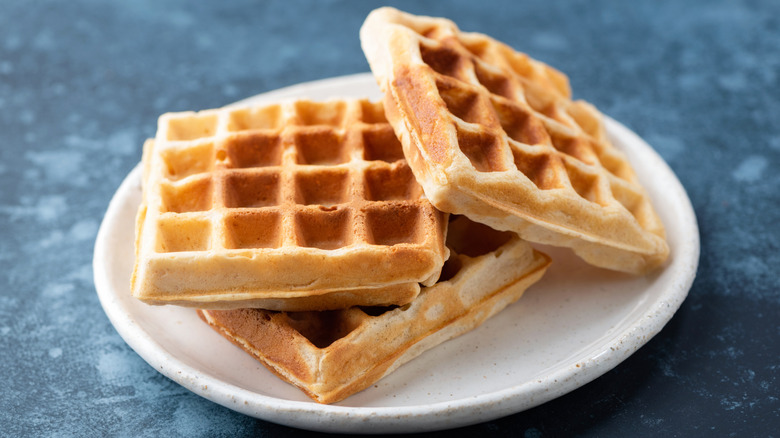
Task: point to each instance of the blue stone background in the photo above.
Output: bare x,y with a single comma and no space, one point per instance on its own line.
82,83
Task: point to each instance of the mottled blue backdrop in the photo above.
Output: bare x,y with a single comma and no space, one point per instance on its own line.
82,83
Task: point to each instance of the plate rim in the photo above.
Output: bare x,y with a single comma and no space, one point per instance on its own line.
411,418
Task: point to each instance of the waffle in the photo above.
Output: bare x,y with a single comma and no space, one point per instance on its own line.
333,354
293,206
494,135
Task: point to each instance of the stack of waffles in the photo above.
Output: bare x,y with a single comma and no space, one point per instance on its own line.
335,241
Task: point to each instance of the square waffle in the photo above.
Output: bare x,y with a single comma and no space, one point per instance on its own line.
292,206
331,355
494,135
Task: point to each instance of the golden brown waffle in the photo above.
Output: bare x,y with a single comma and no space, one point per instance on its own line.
334,354
494,135
292,206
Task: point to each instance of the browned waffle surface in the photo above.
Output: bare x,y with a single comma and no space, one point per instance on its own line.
288,202
333,354
494,135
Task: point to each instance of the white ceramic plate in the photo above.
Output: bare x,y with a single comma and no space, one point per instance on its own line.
573,326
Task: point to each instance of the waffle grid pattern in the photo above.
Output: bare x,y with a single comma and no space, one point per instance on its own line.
501,128
312,184
505,122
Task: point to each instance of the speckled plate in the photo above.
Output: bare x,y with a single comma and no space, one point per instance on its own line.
573,326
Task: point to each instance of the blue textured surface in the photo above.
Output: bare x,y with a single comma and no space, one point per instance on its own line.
82,83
